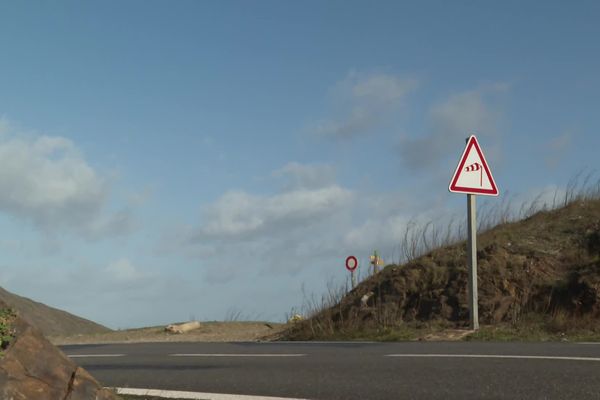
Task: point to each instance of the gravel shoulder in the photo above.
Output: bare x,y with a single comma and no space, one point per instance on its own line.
208,332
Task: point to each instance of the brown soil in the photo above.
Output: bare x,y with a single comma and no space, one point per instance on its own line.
208,332
546,264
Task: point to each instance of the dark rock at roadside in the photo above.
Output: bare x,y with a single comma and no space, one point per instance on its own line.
34,369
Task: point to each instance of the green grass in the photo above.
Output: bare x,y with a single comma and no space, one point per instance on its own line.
540,328
407,331
530,334
7,334
376,335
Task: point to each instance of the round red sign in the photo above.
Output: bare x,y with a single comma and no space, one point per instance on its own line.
351,263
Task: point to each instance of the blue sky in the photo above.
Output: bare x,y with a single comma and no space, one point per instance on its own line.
167,160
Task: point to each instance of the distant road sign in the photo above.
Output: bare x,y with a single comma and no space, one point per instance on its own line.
351,263
473,175
376,260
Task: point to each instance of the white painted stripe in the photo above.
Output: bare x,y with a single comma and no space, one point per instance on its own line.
238,355
496,356
319,342
94,355
172,394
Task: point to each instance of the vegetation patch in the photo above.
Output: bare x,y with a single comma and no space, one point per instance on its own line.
542,328
539,279
7,332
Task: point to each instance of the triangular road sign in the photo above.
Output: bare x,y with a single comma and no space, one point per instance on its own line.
473,176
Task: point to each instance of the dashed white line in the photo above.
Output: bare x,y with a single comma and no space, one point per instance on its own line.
238,355
94,355
295,342
172,394
504,356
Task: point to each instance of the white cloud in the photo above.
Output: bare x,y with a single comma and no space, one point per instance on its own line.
464,113
308,225
239,214
454,119
364,102
306,176
4,125
122,270
379,88
270,232
43,177
557,147
47,181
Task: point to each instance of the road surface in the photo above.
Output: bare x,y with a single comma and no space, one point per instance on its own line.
348,371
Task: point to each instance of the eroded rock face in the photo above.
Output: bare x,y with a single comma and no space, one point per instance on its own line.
34,369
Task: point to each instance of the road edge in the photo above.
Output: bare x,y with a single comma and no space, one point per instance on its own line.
176,394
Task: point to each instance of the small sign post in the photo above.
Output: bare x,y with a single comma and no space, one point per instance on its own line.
473,177
376,261
351,265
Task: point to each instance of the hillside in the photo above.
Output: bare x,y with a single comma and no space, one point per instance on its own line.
51,321
546,266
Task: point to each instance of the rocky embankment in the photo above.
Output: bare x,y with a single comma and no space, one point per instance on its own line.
545,265
31,368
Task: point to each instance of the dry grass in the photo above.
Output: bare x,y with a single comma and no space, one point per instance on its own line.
543,259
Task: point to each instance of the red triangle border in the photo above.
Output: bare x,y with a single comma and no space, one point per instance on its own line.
458,189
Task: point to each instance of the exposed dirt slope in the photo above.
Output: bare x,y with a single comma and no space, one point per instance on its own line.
547,264
50,321
208,332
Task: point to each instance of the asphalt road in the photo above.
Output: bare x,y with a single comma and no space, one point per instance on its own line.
361,371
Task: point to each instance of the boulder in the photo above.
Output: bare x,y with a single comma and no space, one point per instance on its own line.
295,318
183,328
34,369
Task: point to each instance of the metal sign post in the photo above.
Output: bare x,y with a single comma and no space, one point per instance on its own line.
375,258
472,260
473,177
351,265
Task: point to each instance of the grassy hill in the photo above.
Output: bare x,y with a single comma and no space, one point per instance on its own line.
538,277
51,321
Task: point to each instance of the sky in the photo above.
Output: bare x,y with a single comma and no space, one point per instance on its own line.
163,161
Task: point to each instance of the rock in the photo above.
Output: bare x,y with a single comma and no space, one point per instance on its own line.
34,369
182,328
365,299
295,318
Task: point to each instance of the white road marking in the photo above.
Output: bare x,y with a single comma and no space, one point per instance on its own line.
496,356
238,355
321,342
94,355
172,394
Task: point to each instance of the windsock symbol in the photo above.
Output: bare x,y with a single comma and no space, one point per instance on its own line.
473,167
476,167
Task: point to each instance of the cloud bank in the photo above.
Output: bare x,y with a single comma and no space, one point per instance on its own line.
450,121
364,102
47,181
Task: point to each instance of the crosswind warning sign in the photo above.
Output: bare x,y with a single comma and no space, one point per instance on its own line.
473,176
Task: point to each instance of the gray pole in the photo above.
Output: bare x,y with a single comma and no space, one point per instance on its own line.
353,279
472,261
